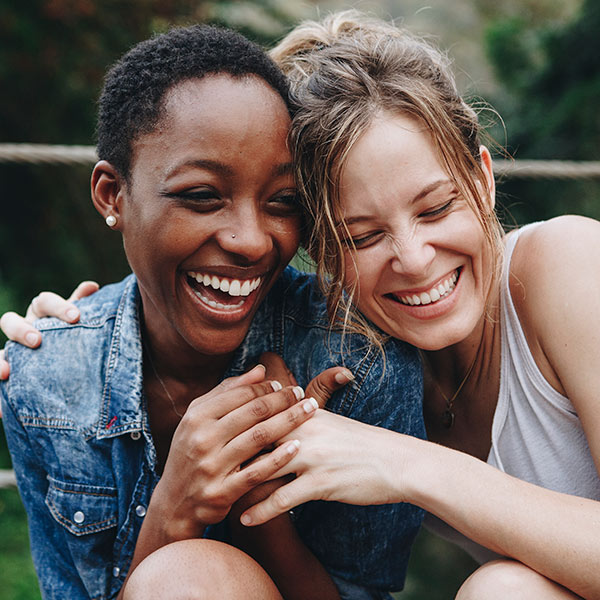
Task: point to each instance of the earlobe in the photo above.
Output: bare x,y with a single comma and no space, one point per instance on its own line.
107,191
488,169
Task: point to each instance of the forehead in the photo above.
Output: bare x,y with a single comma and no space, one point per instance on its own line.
223,118
393,157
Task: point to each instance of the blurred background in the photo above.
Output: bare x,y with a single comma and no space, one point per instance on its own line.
536,62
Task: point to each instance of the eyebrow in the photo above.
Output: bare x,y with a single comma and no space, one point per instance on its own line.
224,169
428,189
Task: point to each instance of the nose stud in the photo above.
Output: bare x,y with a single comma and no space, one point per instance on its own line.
233,235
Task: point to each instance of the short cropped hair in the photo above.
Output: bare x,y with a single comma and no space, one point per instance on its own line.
133,98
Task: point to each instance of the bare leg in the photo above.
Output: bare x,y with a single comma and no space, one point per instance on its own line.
199,570
502,579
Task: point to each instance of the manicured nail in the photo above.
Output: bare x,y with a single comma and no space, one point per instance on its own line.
245,519
293,446
344,376
72,314
310,405
298,392
31,338
276,386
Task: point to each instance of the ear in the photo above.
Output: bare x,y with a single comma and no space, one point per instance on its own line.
108,190
488,169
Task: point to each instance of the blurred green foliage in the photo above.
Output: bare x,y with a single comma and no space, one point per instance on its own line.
53,54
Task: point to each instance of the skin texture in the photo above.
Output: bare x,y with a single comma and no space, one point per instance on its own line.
553,537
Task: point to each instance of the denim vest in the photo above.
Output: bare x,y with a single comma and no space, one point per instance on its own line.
77,428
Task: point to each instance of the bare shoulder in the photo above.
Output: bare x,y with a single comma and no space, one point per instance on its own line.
556,251
555,285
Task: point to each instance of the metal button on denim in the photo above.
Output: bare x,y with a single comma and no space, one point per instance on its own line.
116,571
140,511
136,435
79,517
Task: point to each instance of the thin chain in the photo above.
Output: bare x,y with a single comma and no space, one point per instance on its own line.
448,414
162,383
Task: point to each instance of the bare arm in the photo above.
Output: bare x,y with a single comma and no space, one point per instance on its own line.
556,534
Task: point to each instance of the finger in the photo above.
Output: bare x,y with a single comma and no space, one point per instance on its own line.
263,434
85,288
4,370
49,304
282,500
277,369
326,383
264,469
16,328
222,404
260,408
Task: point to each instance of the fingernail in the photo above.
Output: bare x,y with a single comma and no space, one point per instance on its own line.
72,313
344,376
261,366
276,386
298,392
31,338
245,519
293,446
310,405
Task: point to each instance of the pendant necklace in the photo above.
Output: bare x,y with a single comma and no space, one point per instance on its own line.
162,383
448,414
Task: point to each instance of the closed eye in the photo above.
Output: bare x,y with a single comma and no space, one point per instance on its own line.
364,241
440,210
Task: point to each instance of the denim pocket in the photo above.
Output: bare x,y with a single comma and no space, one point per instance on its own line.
81,508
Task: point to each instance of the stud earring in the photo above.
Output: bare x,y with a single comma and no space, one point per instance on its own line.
111,220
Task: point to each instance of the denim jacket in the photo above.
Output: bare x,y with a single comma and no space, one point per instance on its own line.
77,428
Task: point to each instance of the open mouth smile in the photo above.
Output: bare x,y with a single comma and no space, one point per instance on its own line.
431,296
222,293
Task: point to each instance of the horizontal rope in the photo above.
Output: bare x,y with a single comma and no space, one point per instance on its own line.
7,479
542,169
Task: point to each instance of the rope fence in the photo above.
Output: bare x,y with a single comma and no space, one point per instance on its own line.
86,155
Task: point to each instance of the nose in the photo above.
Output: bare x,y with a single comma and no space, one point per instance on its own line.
412,254
246,233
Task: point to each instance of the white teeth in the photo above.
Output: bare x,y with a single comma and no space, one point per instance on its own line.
233,287
433,295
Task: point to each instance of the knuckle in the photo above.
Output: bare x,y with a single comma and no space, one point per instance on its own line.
253,476
260,408
281,500
260,436
294,417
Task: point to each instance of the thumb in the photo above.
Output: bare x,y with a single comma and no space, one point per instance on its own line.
328,382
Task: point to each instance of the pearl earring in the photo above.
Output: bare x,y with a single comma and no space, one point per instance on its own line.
111,220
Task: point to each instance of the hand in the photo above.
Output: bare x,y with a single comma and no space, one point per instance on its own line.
220,431
47,304
320,388
338,459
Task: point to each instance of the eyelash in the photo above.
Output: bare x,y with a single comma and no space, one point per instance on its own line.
207,199
359,242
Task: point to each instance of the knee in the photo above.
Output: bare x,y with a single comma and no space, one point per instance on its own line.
501,579
199,570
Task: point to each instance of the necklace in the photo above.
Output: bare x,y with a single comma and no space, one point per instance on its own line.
448,414
162,383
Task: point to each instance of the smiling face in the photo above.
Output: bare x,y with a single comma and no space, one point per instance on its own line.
209,217
421,262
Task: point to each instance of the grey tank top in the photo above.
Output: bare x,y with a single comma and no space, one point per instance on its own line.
536,433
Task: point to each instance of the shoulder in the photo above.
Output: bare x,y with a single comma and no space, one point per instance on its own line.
564,250
555,286
69,362
300,295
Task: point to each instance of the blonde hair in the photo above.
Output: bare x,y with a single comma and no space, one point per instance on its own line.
343,72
